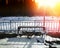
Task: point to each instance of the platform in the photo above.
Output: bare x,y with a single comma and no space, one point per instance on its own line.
22,42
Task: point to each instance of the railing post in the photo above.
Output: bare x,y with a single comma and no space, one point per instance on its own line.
10,25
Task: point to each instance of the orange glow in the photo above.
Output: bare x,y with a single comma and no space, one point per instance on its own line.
6,2
49,3
50,7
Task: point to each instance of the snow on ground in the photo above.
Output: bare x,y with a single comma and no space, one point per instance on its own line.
24,42
21,42
49,38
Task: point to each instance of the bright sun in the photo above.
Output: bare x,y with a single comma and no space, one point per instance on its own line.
49,3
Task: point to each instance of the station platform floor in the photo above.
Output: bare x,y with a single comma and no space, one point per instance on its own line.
22,42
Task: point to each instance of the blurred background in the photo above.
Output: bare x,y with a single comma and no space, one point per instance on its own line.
29,8
16,7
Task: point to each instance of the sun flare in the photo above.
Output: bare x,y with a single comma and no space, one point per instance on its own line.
49,3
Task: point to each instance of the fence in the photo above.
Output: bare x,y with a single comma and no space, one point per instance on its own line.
51,25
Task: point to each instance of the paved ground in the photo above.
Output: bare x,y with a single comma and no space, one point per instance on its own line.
22,42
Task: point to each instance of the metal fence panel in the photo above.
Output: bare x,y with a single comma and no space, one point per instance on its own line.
50,25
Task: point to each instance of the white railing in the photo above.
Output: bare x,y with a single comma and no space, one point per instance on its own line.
51,25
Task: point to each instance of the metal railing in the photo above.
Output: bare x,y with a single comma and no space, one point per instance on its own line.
51,25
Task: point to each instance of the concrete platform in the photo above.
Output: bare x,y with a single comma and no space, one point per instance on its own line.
22,42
